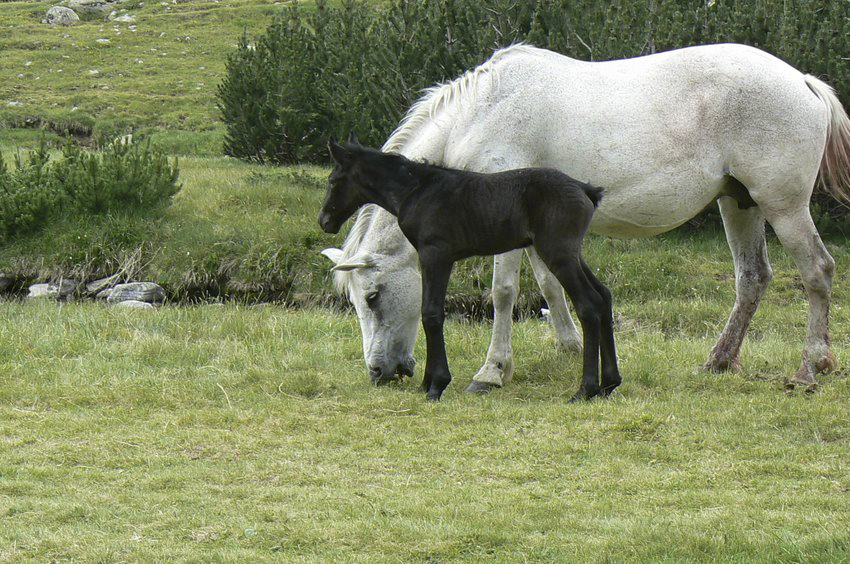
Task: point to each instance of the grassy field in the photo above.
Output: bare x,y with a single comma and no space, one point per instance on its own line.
228,433
156,77
235,433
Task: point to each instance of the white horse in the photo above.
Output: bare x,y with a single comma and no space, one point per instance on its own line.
665,135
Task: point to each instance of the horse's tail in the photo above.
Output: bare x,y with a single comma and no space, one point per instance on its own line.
835,165
594,194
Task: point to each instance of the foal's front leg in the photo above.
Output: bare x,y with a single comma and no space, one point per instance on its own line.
435,281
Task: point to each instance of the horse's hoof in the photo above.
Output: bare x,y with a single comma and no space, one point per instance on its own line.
434,396
808,388
481,388
719,366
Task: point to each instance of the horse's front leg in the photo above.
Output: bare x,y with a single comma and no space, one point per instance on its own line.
435,281
498,368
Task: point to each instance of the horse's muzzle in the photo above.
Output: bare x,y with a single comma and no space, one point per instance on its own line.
378,377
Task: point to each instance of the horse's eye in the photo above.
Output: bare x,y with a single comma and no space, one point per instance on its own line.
372,299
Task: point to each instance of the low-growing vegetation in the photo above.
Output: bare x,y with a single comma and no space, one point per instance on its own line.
122,179
226,433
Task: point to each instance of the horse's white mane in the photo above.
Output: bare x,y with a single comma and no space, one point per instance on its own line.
441,96
435,99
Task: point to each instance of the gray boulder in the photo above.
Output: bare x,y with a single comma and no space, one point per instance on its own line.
92,7
135,304
59,290
138,291
60,15
93,288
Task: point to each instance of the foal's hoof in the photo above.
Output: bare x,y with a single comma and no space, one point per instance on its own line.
480,388
583,395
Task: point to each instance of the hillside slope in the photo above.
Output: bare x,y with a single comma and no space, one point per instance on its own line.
155,76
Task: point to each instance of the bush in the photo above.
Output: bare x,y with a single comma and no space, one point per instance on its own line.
28,195
122,178
324,72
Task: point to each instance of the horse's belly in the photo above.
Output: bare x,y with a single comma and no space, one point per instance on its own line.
644,212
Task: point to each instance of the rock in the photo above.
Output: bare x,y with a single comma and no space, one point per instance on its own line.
39,291
103,294
61,290
121,18
92,7
95,287
60,15
139,291
135,304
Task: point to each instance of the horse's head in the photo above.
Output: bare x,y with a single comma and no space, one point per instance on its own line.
386,293
344,195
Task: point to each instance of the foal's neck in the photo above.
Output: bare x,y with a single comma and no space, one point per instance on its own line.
388,188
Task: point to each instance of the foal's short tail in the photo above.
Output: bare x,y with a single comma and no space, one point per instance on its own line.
835,165
594,193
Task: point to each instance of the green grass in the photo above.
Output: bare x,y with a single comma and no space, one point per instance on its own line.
227,433
156,77
243,434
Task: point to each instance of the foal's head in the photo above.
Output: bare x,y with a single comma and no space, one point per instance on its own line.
344,195
361,176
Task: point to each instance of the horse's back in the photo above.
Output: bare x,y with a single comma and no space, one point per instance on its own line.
661,132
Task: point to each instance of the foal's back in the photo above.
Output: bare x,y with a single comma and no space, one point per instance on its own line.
469,214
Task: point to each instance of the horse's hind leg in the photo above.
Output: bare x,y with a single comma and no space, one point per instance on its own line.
498,367
567,335
745,235
798,235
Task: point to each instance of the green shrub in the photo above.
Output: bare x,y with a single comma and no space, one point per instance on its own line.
28,195
323,72
121,178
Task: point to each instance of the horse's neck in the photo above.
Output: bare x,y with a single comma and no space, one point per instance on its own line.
383,236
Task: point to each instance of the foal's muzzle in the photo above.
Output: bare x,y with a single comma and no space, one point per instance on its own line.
327,224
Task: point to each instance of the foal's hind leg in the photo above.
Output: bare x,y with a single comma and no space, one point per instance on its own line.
566,264
565,330
798,235
608,348
745,235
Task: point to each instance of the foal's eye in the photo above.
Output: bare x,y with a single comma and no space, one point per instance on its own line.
372,299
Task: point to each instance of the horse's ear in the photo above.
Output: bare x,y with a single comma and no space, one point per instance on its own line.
338,153
360,260
352,138
335,255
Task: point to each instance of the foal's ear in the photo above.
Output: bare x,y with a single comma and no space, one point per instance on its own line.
338,153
